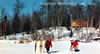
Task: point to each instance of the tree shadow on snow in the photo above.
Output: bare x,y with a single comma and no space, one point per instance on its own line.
52,52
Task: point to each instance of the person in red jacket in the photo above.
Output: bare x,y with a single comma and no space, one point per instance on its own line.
74,45
48,44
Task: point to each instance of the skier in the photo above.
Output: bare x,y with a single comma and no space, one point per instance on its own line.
74,44
48,44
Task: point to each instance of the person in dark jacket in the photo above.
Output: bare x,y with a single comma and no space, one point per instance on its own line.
48,44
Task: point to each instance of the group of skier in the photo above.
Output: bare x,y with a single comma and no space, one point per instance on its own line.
74,45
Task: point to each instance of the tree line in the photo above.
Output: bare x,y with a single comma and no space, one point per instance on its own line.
48,16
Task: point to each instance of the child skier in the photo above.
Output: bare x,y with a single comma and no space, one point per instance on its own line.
74,44
48,44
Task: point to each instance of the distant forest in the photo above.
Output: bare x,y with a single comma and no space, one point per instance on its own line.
48,16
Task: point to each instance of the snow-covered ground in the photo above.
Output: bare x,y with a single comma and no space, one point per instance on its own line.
59,47
61,32
17,36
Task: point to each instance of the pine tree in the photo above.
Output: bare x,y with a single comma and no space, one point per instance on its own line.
27,24
16,24
4,26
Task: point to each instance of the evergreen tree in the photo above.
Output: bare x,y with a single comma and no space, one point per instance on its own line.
16,23
27,24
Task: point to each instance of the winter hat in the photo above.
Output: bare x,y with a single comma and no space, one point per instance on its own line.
50,39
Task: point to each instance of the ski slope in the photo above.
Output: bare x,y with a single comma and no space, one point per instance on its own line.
59,47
